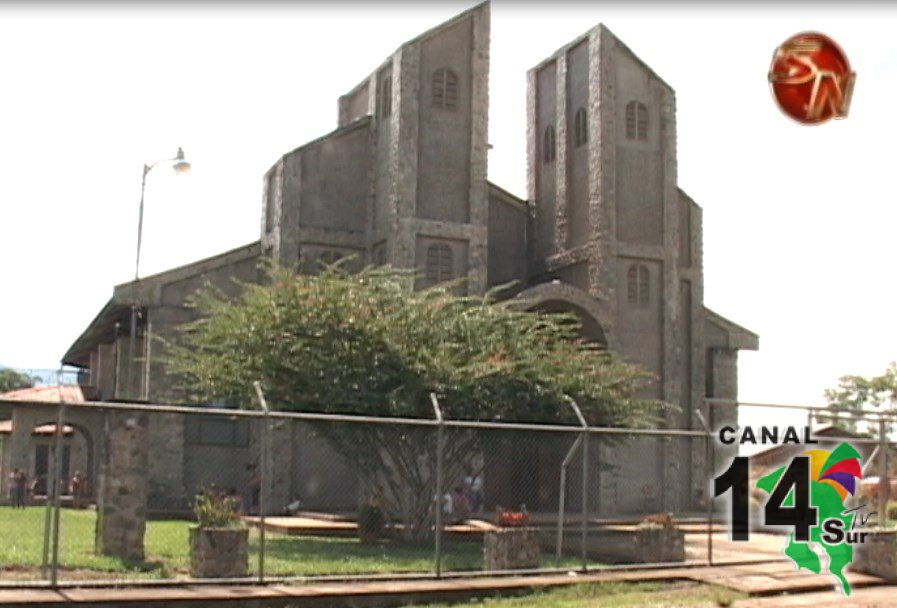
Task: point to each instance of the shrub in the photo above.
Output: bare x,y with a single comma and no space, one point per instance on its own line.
214,509
892,510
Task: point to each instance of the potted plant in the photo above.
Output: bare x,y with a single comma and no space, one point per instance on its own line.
219,544
371,523
659,539
513,544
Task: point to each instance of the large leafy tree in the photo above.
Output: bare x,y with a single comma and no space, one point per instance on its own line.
856,395
11,380
367,343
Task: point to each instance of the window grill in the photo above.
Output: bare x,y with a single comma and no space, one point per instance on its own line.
581,128
439,263
637,284
549,145
445,89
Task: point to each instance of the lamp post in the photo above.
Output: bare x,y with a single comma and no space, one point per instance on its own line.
180,165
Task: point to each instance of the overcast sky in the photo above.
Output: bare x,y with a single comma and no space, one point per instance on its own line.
798,221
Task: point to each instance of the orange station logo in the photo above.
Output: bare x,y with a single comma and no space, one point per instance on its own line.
811,79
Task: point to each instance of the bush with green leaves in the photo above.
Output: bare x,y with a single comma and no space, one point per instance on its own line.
215,509
368,343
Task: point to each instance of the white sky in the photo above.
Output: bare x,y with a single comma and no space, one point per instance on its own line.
798,221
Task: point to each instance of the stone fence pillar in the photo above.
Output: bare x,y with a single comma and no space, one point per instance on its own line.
122,518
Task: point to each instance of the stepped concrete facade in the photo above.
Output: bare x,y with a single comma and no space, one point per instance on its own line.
606,232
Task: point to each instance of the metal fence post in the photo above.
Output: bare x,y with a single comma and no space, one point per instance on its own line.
48,514
884,483
57,493
562,495
585,482
709,457
263,476
440,482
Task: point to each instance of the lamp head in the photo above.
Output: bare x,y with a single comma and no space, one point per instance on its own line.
181,165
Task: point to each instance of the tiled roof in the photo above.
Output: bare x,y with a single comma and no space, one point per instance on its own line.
51,394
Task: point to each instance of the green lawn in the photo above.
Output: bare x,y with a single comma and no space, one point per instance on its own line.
167,552
614,595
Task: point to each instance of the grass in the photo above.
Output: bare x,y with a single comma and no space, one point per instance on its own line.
614,595
167,550
22,533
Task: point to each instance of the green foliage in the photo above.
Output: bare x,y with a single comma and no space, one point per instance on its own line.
11,380
892,510
856,394
368,343
214,509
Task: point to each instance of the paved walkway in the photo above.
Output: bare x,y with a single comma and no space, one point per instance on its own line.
870,597
755,579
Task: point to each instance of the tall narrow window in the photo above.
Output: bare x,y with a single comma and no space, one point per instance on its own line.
637,284
445,89
384,99
636,121
580,128
641,122
549,148
439,263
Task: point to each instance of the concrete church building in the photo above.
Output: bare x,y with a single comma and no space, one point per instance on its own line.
606,232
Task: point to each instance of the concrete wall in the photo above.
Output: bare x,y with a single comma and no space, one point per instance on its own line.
578,228
444,134
333,190
507,240
544,198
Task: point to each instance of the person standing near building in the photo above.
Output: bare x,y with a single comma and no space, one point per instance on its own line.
13,481
19,481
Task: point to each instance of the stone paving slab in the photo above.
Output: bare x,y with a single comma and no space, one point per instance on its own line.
869,597
776,578
754,579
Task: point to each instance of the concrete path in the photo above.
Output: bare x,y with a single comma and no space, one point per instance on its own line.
754,579
870,597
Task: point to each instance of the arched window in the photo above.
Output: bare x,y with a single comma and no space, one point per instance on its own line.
549,148
445,89
580,128
439,264
637,284
384,99
636,121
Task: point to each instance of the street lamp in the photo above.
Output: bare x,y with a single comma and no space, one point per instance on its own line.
180,165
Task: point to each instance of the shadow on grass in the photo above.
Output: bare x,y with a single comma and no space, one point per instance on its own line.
294,555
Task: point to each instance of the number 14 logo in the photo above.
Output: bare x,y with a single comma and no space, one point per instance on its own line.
793,488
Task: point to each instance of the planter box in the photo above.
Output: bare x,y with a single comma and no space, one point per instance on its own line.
512,548
625,544
219,552
877,554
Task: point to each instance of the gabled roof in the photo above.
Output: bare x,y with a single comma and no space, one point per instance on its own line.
145,291
733,335
499,193
66,393
776,454
482,6
601,30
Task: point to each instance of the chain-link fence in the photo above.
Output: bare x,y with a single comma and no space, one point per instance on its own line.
106,491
